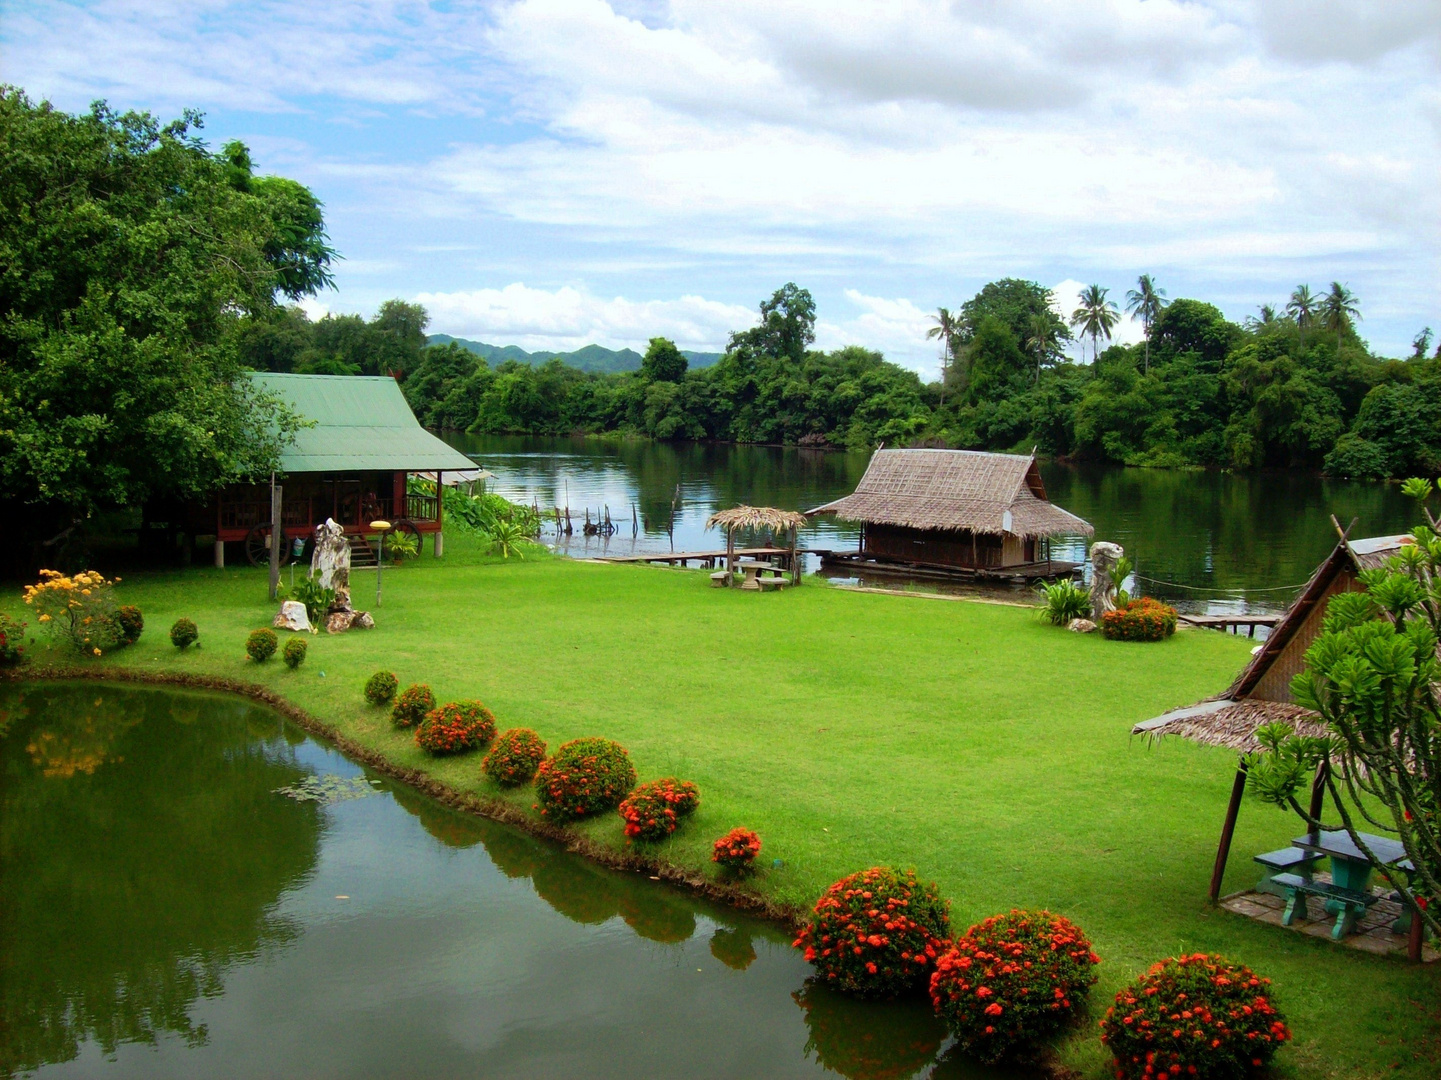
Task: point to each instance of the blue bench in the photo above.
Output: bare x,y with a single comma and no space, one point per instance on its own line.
1291,860
1347,905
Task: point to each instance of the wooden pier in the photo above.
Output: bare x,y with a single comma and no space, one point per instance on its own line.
708,559
1232,623
1017,574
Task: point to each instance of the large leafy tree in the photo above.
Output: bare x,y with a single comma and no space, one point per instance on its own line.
1095,317
787,326
130,258
1145,302
663,362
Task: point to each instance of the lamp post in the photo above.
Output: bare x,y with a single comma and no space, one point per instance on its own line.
381,527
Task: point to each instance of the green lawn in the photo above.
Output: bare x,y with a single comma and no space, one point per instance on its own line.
969,740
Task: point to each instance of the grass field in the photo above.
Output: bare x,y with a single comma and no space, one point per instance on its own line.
969,740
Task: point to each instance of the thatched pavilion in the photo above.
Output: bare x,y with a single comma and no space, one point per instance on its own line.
778,522
971,513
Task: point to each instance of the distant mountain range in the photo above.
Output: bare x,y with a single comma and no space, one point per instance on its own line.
595,358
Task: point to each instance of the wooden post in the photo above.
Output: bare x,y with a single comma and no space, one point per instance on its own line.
730,557
439,546
1417,937
277,537
219,554
795,564
1223,851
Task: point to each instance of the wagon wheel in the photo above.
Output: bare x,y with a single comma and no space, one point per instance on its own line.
257,550
409,534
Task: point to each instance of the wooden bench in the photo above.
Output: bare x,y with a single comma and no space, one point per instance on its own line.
1291,860
1346,904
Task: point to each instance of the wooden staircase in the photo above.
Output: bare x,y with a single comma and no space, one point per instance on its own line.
362,555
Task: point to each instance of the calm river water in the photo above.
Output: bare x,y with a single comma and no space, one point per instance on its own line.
167,913
1207,541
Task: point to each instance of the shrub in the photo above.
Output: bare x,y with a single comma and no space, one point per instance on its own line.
1143,619
1012,981
585,776
876,933
410,708
79,610
514,757
316,598
130,623
1198,1016
1064,601
294,653
652,811
455,727
380,688
12,634
183,634
736,850
261,645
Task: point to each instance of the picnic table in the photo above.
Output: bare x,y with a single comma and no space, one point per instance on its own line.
1348,894
759,573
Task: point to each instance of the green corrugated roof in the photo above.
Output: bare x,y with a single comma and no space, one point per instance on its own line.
362,422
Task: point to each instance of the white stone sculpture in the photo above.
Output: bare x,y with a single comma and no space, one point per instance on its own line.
331,566
291,616
1103,586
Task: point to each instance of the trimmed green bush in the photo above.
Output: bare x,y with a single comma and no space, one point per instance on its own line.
455,727
515,757
183,634
380,688
410,708
586,776
294,652
261,645
130,623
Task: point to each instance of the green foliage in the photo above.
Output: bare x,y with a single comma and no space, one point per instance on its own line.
260,646
12,641
294,652
1119,573
455,728
584,777
509,538
663,362
400,546
183,633
410,708
316,597
514,758
380,688
1063,601
130,623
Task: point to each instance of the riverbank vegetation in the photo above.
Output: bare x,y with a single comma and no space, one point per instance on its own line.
847,731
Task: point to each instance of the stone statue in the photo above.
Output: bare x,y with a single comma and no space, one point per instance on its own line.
1103,584
330,565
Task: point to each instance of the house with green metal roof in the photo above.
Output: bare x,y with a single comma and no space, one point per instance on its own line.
351,464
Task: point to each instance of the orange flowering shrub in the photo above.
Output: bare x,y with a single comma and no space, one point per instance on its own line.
584,777
410,708
1142,619
736,850
1012,981
876,933
455,727
652,811
79,610
1194,1016
514,757
260,646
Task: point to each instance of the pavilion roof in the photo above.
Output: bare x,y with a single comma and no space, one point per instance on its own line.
756,517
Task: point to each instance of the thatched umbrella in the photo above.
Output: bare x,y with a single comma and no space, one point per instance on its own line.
757,517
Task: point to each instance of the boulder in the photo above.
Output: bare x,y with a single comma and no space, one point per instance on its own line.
338,622
1081,626
291,616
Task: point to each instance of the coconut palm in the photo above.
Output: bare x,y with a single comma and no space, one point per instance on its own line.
1303,307
1095,317
1041,339
1340,308
1145,302
948,329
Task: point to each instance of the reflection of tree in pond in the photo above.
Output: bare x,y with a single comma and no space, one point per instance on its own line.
869,1040
574,888
141,857
451,828
656,915
733,947
515,855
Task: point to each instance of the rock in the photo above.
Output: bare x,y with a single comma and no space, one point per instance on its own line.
1081,626
330,563
338,622
291,616
362,621
1103,588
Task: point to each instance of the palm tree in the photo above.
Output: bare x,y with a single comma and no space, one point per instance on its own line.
1303,308
1340,307
1095,317
948,329
1145,302
1041,339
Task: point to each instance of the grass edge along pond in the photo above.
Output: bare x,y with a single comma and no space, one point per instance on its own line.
968,740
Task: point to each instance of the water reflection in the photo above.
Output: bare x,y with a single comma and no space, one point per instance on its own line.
869,1040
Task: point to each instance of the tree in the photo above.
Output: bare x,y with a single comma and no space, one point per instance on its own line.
398,330
1014,302
1096,317
1303,307
663,362
1145,302
1042,342
132,258
1339,309
947,328
1420,343
787,326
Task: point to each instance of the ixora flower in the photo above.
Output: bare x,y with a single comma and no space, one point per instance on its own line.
737,849
652,811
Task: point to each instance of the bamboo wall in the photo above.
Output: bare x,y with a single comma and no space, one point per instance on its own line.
1275,685
948,547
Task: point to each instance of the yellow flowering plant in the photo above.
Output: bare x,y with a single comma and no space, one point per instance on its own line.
77,609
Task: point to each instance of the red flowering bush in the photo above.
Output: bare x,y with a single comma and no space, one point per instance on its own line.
876,933
1012,981
1196,1016
584,777
1142,619
652,811
130,623
12,636
514,757
736,850
455,727
411,707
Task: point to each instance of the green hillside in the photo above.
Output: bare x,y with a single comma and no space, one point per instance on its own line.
595,358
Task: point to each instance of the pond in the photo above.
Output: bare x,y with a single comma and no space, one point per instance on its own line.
1204,540
169,912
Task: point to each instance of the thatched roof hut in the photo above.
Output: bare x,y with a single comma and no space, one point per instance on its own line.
779,522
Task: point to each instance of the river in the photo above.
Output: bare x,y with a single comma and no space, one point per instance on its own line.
1207,541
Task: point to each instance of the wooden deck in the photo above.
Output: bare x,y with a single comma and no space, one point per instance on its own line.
1233,623
708,559
1016,574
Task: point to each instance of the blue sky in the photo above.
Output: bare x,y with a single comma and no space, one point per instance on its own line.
554,172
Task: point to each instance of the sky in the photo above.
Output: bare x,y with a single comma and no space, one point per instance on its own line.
550,173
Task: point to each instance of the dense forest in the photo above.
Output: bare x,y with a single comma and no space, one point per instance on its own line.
1297,389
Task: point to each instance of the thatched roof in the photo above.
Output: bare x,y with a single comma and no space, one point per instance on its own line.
956,489
756,517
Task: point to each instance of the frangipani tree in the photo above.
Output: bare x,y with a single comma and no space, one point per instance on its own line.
1372,675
